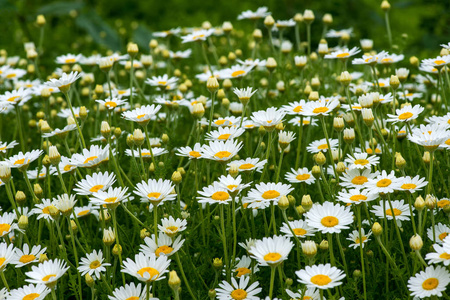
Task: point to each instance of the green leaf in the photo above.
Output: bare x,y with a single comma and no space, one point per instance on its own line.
60,8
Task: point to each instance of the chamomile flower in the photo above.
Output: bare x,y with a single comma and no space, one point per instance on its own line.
309,294
214,193
441,254
356,238
110,197
322,146
295,108
23,160
391,59
271,251
223,122
300,228
164,245
405,114
65,113
437,62
177,55
94,183
161,81
68,59
142,115
26,256
30,292
93,264
42,209
319,108
198,35
297,121
431,282
7,224
300,175
20,97
171,226
409,184
146,268
64,82
269,191
47,272
4,146
260,13
62,133
64,203
35,174
236,71
111,103
268,118
344,53
384,183
192,153
91,157
339,33
243,267
13,73
429,136
238,290
221,151
442,203
320,276
6,255
84,211
224,134
441,231
232,184
356,179
248,164
146,154
399,209
245,94
329,217
155,191
369,59
129,292
356,196
361,161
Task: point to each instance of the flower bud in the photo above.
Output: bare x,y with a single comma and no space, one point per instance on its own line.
430,202
419,204
416,242
89,280
316,171
269,22
40,20
283,203
377,229
234,170
38,190
54,155
345,78
338,124
307,202
117,249
174,281
105,130
349,135
5,173
271,64
23,222
327,19
320,159
212,84
323,245
309,249
138,137
217,263
132,49
176,177
308,16
385,6
394,82
400,162
21,198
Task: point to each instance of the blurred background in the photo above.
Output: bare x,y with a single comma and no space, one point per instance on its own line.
84,26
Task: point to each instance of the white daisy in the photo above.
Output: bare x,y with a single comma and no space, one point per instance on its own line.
356,196
384,183
26,256
248,164
322,146
111,103
399,209
146,268
329,217
344,53
214,193
91,157
431,282
224,134
320,276
64,82
110,197
129,292
94,183
319,108
47,272
356,239
22,160
268,118
30,292
411,185
405,114
221,151
164,245
142,115
271,251
155,191
300,175
361,161
93,264
171,226
6,255
198,35
300,228
241,290
269,191
441,254
192,153
260,13
441,232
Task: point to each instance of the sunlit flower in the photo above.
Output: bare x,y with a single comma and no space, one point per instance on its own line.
405,114
343,53
356,238
91,157
322,146
26,256
198,35
300,175
29,292
319,108
248,164
129,292
47,272
164,245
192,153
221,151
110,197
271,251
155,191
94,183
238,290
356,196
329,217
441,231
320,276
146,268
361,161
431,282
399,209
300,228
6,255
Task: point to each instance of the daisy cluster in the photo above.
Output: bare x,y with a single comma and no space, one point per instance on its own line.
226,164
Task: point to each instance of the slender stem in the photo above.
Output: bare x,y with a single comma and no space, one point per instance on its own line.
361,252
224,242
19,124
388,28
299,143
177,258
5,283
272,279
330,246
80,133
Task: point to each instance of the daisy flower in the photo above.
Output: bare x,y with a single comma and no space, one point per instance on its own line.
236,71
142,115
155,191
429,136
171,226
91,157
300,228
192,153
405,114
64,82
441,254
437,62
319,108
164,245
65,203
146,268
94,183
431,282
241,290
68,59
300,175
221,151
356,178
391,59
111,103
62,133
260,13
198,35
294,108
93,264
356,239
222,122
244,94
5,146
30,292
13,74
269,191
356,196
111,197
26,256
33,174
232,184
20,96
146,154
441,231
268,118
178,55
83,211
409,184
329,217
399,209
442,203
322,146
224,133
243,267
297,121
248,164
65,113
214,193
22,160
271,251
361,161
369,59
6,255
7,224
129,292
384,183
47,272
344,53
320,276
309,294
161,81
42,209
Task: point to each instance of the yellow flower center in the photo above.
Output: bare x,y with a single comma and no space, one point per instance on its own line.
83,213
48,277
246,166
358,198
31,296
302,176
111,199
359,180
430,284
27,258
320,110
443,235
237,73
140,116
405,115
132,298
2,260
272,256
19,161
381,84
110,104
162,82
4,228
12,99
151,271
45,210
299,231
196,37
397,212
242,271
220,122
343,55
445,255
96,188
67,168
231,186
195,154
270,194
329,221
90,159
358,241
222,154
320,279
70,60
164,249
238,294
387,60
172,228
439,61
298,109
154,195
361,162
443,203
224,136
408,186
220,196
322,147
11,75
95,264
384,182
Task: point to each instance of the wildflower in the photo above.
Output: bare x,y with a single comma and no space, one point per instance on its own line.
238,290
94,183
155,191
47,272
271,251
164,245
171,226
329,217
221,151
300,175
356,238
26,256
431,282
110,197
300,228
249,164
146,268
6,255
320,276
64,82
